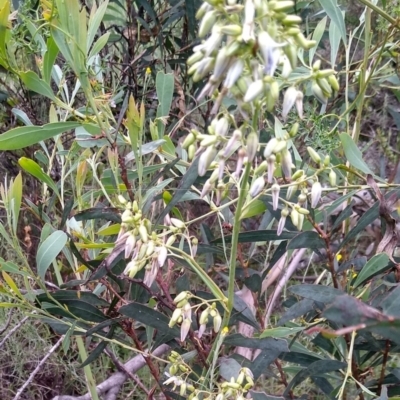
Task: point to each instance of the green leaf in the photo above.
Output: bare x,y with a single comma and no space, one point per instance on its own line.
96,16
258,236
149,317
263,396
99,44
19,138
317,36
84,311
378,263
334,41
307,240
316,368
229,368
184,185
322,294
390,305
190,6
96,353
281,332
49,59
165,91
299,309
256,207
107,213
269,344
368,217
335,14
353,154
34,83
49,250
16,200
34,169
66,295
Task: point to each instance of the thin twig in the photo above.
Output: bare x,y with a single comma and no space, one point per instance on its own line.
7,324
16,327
119,378
37,369
383,370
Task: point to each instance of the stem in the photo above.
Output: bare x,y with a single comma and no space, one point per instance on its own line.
378,10
235,241
91,384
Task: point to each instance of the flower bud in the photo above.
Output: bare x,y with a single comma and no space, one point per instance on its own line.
191,152
334,83
194,58
280,146
275,188
234,72
162,256
129,245
222,127
185,327
298,174
257,186
190,139
271,167
282,221
207,188
286,163
204,8
181,296
282,5
292,189
252,145
231,30
316,191
206,159
314,155
288,101
299,104
294,216
292,20
318,93
325,87
255,89
291,52
217,321
175,316
127,216
207,22
143,233
261,168
269,148
178,223
332,178
221,63
150,248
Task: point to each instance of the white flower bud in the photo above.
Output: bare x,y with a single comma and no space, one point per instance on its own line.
234,72
269,148
206,159
275,195
286,163
162,256
257,186
175,316
222,127
252,145
185,327
314,155
255,89
332,178
207,23
288,101
316,191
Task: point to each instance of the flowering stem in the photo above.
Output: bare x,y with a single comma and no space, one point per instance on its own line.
235,241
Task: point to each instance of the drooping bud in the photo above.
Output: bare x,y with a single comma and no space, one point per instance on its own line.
318,93
299,104
162,256
334,83
217,321
252,145
206,159
190,139
185,327
332,178
255,89
269,148
234,72
275,195
271,167
175,317
282,221
286,163
288,101
316,191
294,216
257,186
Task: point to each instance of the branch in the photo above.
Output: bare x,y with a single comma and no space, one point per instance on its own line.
116,380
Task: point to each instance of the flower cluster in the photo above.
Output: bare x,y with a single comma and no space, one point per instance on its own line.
179,375
143,246
212,312
182,313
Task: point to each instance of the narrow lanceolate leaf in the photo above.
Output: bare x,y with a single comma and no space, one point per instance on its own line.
49,250
19,138
34,169
335,14
353,153
34,83
376,264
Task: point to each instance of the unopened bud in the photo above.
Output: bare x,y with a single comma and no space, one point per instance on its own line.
334,83
206,159
252,145
316,191
207,23
255,89
288,101
332,178
269,148
275,195
217,321
257,186
314,155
